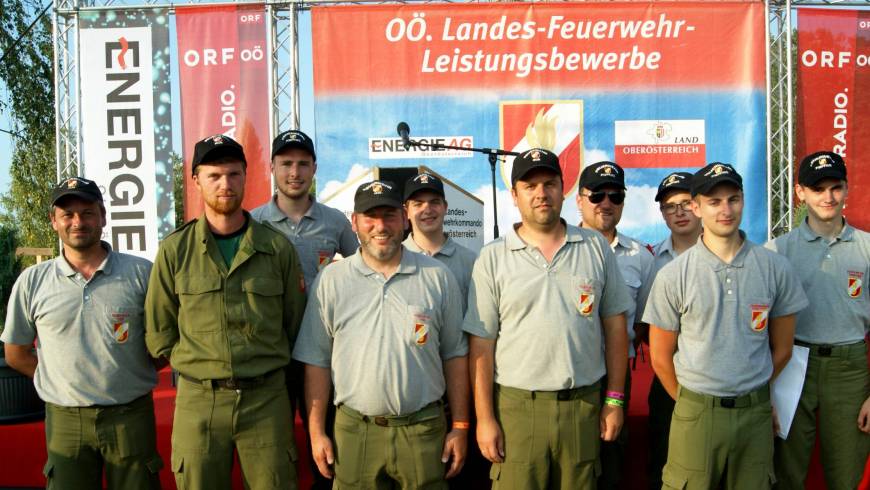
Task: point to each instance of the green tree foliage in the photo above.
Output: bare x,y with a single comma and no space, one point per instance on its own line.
10,266
27,74
178,187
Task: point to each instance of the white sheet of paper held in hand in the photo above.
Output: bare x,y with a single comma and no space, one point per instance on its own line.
787,388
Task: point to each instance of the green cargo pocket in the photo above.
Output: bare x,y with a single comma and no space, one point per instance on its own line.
494,471
177,464
671,481
48,471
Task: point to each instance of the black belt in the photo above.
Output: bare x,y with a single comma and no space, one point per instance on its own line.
429,412
560,395
754,397
232,383
824,350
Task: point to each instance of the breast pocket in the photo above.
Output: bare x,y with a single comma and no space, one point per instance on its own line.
124,322
263,300
200,302
586,296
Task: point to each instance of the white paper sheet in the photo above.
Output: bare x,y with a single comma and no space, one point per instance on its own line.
787,388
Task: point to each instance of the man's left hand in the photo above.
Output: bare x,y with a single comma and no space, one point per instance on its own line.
455,450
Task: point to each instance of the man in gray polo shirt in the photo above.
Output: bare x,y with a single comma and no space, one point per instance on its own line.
91,366
384,325
426,206
317,231
601,199
675,203
546,318
721,319
832,259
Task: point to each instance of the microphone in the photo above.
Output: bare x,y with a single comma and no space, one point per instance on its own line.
404,130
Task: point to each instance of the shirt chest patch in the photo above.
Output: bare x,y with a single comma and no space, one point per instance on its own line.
421,329
759,317
120,327
856,280
586,301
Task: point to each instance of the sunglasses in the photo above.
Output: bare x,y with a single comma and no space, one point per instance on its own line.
597,197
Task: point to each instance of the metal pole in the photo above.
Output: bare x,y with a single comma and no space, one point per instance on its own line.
768,120
294,66
790,122
55,33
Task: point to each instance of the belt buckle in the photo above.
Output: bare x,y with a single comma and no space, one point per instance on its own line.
563,395
381,421
727,402
231,383
826,350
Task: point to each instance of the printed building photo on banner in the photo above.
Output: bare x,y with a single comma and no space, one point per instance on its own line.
833,96
654,87
127,124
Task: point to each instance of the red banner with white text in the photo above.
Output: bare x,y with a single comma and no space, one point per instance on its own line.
833,98
224,89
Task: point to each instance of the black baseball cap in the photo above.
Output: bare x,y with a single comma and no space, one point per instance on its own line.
714,174
534,159
78,187
821,165
423,182
677,181
215,147
601,174
376,193
293,139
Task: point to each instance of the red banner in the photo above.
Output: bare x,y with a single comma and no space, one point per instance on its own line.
510,46
833,98
224,89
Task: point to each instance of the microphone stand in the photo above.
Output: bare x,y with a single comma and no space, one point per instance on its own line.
492,153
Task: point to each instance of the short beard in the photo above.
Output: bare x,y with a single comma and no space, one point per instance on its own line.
225,208
382,255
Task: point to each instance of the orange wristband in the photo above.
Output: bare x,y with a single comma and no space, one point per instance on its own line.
461,425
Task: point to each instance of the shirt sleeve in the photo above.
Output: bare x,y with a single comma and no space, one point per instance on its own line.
790,297
314,344
453,341
347,240
647,275
663,304
616,297
294,297
161,307
20,329
482,316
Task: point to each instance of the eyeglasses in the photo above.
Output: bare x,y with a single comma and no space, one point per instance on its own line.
597,197
673,207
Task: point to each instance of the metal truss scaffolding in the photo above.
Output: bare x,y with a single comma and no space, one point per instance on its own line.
284,82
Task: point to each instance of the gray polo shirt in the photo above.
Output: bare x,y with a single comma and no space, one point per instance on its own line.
457,258
833,275
664,253
384,339
91,347
722,313
320,234
546,317
637,266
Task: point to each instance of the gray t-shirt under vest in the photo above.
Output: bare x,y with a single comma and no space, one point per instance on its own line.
385,340
722,313
832,275
457,258
319,235
546,317
91,334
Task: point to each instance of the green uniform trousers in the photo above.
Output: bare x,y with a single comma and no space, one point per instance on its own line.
613,452
722,443
210,421
551,438
81,441
390,452
835,387
661,409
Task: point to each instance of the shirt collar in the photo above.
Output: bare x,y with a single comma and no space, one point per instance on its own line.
621,241
105,267
514,242
275,214
447,248
667,246
809,235
255,237
715,262
408,264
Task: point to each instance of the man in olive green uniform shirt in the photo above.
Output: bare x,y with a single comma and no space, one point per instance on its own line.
224,305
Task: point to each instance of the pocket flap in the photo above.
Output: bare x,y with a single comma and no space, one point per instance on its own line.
291,451
192,284
48,469
264,286
672,481
495,471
